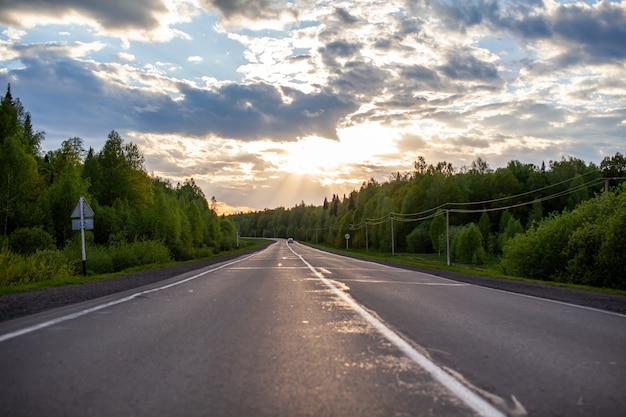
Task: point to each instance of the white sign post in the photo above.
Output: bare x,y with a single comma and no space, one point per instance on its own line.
82,218
347,236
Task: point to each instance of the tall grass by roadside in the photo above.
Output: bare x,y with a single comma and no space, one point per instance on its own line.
62,267
50,264
41,266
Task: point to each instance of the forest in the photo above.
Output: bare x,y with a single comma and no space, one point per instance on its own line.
139,219
564,222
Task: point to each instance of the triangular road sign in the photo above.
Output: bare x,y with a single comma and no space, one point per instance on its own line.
87,211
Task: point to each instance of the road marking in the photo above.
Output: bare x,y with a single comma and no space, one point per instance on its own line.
471,399
549,300
380,281
399,268
98,307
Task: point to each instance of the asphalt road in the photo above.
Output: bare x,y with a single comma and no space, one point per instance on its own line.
292,331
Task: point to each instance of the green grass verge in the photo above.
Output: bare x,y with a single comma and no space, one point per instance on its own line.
439,262
244,246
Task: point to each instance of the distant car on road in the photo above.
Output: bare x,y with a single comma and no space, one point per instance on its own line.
290,240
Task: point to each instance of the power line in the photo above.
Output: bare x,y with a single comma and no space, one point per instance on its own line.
495,200
442,208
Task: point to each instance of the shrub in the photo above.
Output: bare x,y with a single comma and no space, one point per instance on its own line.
27,240
142,252
99,260
584,246
24,269
468,246
418,241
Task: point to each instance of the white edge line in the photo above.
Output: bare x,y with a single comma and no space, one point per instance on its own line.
564,303
98,307
550,300
473,400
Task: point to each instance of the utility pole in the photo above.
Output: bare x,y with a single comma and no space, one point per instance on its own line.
393,249
448,235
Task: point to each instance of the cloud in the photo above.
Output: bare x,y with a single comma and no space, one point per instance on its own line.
584,34
138,19
125,57
254,14
13,33
113,14
195,59
345,17
89,91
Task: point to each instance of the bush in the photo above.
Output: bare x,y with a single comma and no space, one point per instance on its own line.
584,246
468,245
28,240
24,269
142,252
99,260
418,241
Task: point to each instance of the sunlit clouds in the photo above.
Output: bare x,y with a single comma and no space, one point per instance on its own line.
268,103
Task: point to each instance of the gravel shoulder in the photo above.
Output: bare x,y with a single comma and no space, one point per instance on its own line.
30,302
26,303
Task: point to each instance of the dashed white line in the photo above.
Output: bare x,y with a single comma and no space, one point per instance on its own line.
471,399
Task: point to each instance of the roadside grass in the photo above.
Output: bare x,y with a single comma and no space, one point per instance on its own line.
489,268
245,245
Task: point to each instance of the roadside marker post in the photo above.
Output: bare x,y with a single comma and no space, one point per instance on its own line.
82,218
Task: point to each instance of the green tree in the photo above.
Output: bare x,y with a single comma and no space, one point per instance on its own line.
513,227
484,225
419,240
583,246
468,245
437,232
19,185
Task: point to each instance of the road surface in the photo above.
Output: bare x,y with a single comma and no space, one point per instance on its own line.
293,331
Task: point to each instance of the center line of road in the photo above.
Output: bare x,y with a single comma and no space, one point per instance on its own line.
380,281
470,398
98,307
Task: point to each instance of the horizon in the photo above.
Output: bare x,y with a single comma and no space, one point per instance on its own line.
273,103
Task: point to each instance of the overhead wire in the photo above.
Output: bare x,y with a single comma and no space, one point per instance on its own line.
402,217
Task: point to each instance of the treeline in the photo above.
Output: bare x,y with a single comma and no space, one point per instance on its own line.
488,211
138,218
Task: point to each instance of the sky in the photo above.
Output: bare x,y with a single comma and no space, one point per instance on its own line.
269,103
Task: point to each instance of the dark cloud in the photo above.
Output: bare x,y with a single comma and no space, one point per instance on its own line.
459,14
253,10
345,17
111,14
595,35
251,112
422,78
70,90
468,68
589,35
359,79
338,49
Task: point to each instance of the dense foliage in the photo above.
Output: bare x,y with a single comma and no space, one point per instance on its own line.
484,212
582,246
138,218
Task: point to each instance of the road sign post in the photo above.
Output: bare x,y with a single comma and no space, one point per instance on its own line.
347,236
82,218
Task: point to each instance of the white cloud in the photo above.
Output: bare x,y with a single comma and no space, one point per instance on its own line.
125,57
195,59
13,33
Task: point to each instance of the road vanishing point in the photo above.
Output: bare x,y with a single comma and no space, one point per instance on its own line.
295,331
